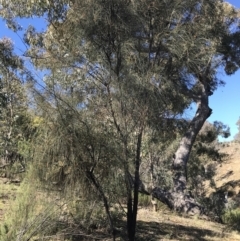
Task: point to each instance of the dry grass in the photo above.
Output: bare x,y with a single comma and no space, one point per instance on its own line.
164,225
228,172
7,193
156,226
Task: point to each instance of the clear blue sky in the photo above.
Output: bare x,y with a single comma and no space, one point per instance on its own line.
225,102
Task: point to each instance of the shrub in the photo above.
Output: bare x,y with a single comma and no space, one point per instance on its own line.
30,215
232,218
215,205
144,200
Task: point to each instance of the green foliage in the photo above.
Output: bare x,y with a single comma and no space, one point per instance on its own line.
232,218
14,118
144,200
89,214
119,76
37,212
214,205
204,157
31,215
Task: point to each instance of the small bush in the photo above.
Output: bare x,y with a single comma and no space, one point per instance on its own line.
232,218
144,200
215,205
30,215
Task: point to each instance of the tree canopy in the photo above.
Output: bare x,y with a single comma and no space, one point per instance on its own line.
118,77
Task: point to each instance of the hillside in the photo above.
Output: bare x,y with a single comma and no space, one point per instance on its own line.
165,225
228,172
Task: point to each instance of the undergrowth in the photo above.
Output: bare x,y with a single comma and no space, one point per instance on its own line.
232,218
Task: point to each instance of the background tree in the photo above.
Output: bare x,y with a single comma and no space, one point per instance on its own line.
14,118
237,136
204,158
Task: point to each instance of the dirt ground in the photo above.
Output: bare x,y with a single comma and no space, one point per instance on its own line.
164,225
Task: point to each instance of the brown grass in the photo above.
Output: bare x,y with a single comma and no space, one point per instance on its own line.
165,225
228,172
7,193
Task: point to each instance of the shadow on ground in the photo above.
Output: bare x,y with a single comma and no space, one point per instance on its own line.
154,231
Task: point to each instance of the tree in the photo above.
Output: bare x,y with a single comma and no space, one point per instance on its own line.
204,157
237,136
13,107
140,65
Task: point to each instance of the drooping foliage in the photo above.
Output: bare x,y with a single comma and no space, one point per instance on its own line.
118,77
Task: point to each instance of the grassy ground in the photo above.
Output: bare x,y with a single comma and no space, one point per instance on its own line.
165,225
152,226
229,170
7,193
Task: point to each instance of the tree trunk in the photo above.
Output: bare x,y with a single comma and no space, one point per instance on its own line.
182,154
178,201
132,205
102,195
177,198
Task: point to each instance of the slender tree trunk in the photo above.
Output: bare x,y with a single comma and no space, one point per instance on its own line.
128,182
102,195
129,213
132,204
177,199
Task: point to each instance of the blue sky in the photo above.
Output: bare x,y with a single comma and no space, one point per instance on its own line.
225,102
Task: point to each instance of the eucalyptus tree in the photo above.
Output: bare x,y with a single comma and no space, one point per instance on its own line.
140,64
13,107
